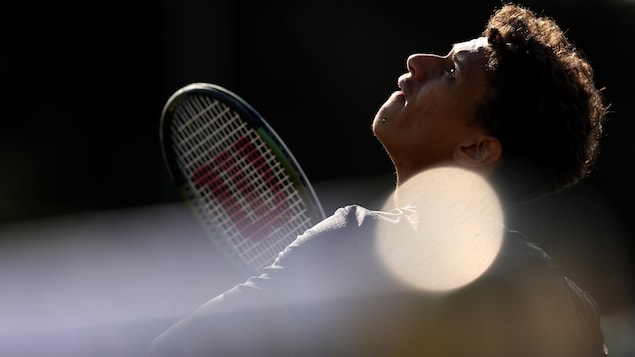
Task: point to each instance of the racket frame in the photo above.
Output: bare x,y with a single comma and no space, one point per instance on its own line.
256,122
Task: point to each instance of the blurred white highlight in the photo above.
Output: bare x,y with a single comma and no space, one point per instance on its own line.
455,230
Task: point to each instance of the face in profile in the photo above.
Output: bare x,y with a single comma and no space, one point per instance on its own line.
421,124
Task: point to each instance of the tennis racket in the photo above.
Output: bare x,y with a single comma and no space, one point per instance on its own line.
236,174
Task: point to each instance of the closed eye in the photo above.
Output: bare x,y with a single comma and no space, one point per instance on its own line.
456,61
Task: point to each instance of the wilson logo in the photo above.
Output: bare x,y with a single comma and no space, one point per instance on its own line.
244,185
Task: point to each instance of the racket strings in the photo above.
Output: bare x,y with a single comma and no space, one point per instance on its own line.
237,184
198,132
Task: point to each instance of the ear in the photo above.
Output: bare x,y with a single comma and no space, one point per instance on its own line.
483,152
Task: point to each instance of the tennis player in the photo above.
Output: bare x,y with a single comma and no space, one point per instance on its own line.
506,117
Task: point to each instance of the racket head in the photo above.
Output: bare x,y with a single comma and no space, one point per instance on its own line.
241,181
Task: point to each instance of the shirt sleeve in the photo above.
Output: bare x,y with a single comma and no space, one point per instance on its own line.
264,315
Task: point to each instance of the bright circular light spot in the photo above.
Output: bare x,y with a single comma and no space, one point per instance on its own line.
450,234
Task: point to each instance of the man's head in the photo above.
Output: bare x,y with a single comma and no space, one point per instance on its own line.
431,120
518,105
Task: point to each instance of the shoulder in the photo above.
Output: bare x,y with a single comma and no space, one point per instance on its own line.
346,224
520,252
336,255
348,227
524,269
525,286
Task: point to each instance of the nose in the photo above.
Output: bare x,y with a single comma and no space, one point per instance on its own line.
422,65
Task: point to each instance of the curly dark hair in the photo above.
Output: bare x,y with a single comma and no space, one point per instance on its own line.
544,106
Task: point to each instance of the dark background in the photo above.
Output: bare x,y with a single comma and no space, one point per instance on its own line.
83,86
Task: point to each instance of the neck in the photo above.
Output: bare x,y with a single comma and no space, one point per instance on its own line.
405,181
400,179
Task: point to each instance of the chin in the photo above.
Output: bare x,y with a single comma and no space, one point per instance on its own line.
378,122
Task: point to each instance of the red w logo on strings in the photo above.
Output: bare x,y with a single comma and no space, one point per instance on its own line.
255,207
